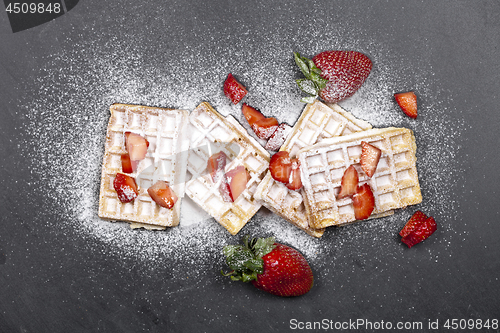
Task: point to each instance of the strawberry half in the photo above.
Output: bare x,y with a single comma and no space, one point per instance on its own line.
273,267
280,167
418,228
125,187
234,90
363,202
349,182
408,103
370,155
294,182
216,165
333,75
162,194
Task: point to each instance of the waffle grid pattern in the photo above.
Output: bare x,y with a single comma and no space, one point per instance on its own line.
164,130
317,122
211,132
394,184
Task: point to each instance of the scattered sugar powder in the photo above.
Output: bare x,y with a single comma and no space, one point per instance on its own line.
68,119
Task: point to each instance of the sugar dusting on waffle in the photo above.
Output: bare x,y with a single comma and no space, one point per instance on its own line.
67,112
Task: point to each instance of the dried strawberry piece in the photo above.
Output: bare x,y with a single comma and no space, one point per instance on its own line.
136,145
407,101
126,163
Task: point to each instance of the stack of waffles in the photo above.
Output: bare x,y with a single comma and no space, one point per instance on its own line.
326,139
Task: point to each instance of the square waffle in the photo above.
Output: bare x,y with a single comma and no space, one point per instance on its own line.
209,133
394,184
316,123
165,160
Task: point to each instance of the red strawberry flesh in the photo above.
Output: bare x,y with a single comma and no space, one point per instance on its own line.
136,145
349,182
162,194
345,71
234,90
295,182
251,114
126,163
280,167
237,179
363,202
370,155
266,127
417,218
216,165
421,232
125,187
408,103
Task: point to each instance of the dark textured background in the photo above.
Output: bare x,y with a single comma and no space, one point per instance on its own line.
53,281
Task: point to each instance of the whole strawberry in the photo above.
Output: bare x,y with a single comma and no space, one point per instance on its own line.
275,268
333,75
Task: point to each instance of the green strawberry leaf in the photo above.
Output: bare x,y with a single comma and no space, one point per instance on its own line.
307,86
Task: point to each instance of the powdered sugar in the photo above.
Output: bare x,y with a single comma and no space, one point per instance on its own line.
68,117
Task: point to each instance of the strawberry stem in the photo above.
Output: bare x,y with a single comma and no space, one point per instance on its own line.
313,82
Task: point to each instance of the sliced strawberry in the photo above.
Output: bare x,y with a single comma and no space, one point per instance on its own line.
421,232
264,128
237,179
417,218
225,189
251,114
136,146
295,182
363,202
216,165
349,182
280,167
408,103
125,187
162,194
279,137
126,163
234,90
370,155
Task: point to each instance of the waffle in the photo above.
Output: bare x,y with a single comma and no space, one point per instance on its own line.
211,132
394,184
165,160
317,122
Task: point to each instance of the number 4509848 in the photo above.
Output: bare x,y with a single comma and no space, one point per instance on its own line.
32,8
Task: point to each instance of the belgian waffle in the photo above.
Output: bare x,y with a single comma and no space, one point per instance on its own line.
211,132
394,184
316,123
165,160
